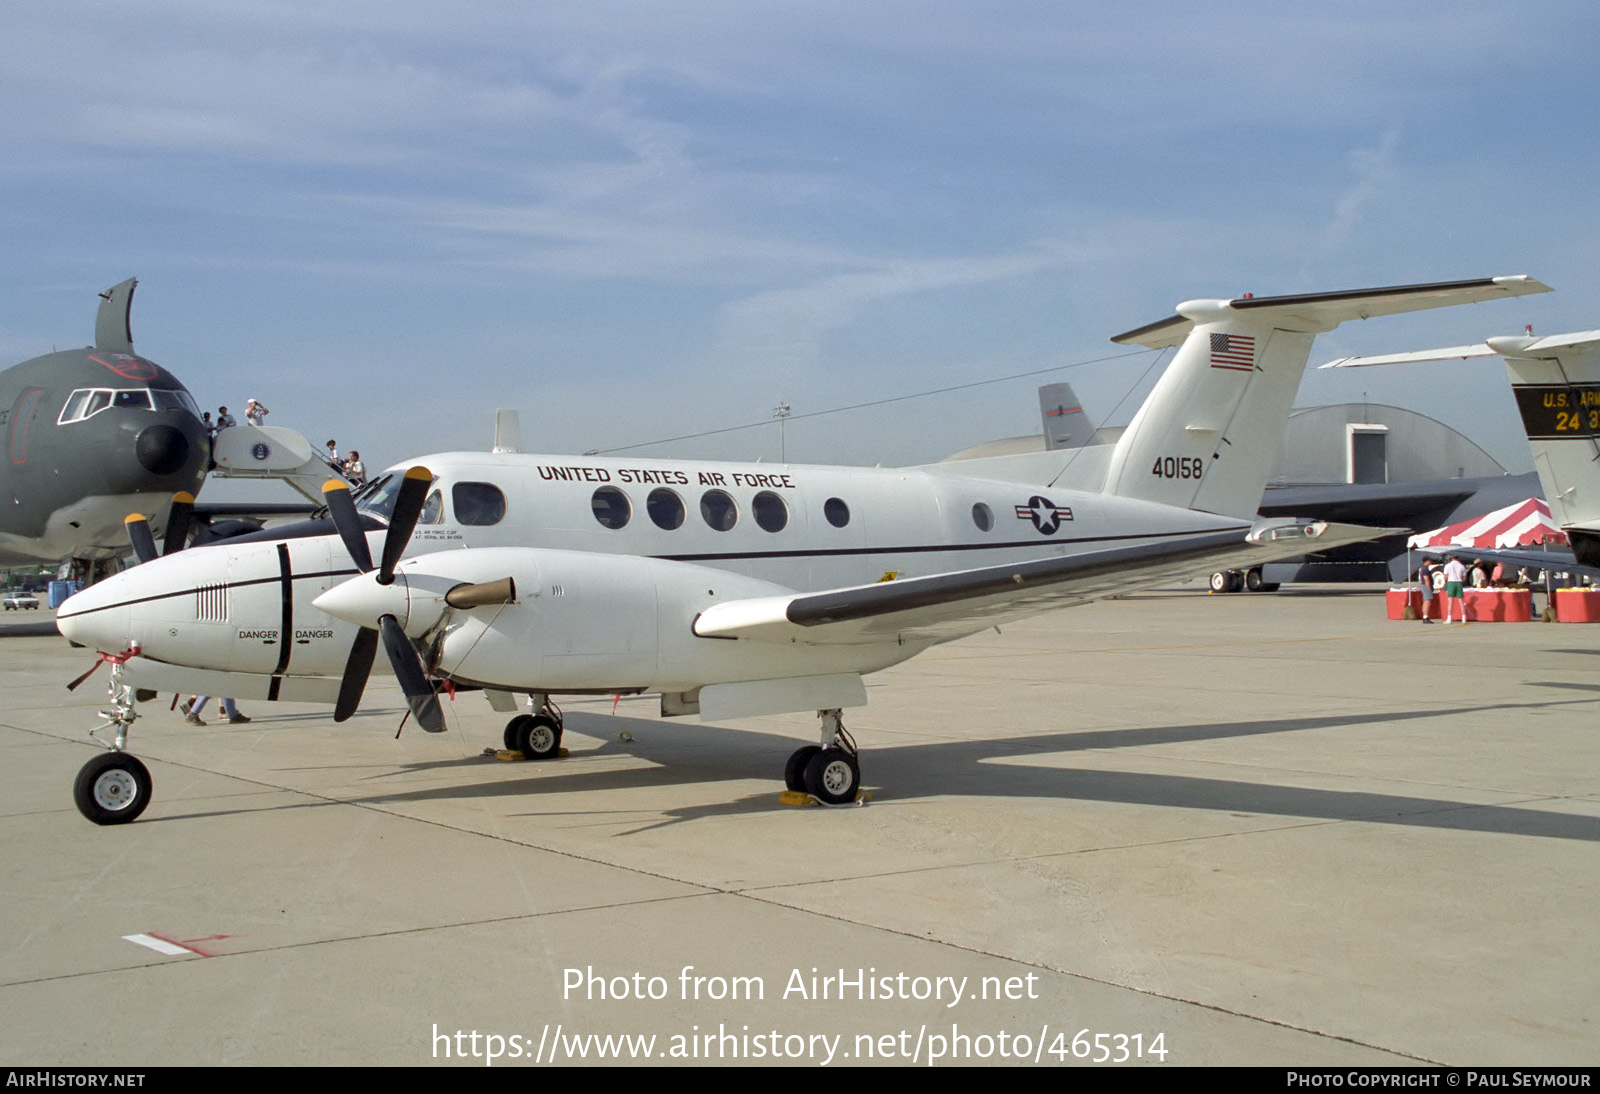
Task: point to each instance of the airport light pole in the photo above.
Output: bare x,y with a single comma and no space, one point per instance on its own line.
781,412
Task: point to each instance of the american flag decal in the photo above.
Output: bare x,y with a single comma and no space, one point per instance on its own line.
1235,351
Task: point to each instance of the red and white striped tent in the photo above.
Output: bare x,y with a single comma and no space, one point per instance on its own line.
1521,525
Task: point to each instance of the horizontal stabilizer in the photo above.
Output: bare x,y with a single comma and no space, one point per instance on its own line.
1325,310
1449,353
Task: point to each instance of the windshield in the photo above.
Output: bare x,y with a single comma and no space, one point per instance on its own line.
87,402
377,497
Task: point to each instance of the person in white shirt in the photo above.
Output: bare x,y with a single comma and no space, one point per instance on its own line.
1455,576
255,413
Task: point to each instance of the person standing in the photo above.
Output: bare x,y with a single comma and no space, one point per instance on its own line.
224,419
1455,577
354,469
255,413
1425,579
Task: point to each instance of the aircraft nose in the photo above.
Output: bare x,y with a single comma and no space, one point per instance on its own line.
94,618
161,449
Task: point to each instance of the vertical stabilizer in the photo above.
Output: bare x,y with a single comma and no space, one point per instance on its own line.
113,328
1065,423
1556,382
1209,433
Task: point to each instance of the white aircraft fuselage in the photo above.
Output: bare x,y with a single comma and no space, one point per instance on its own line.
628,553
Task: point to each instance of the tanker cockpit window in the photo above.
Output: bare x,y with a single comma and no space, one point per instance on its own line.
132,399
86,402
174,399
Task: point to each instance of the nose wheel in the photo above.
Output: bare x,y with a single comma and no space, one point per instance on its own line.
112,788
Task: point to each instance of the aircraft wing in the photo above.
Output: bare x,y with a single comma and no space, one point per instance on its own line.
1558,560
942,607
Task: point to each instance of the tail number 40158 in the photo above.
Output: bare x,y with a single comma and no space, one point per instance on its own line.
1178,467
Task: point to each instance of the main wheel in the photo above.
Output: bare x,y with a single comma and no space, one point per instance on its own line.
537,737
1220,582
794,772
112,788
833,776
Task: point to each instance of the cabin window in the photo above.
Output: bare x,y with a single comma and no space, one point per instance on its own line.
983,517
718,510
611,507
482,503
837,512
770,511
432,509
665,508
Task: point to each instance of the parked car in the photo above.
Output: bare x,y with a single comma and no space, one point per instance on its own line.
19,601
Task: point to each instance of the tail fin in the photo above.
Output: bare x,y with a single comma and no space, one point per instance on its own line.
1065,423
1556,382
1210,431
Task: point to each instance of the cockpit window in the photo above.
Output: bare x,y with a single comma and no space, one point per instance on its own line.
478,503
377,497
174,399
132,399
86,402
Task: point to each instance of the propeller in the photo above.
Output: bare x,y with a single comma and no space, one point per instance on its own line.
144,544
179,517
403,657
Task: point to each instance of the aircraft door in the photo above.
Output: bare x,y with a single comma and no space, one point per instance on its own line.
21,417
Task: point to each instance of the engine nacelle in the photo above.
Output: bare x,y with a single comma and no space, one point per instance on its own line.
579,622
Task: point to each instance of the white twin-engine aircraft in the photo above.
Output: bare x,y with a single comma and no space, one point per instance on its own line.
729,589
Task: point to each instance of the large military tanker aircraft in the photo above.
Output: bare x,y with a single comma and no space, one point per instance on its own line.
92,434
729,589
1555,379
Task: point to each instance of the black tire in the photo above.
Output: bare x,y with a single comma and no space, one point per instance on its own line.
1219,582
794,772
112,788
538,736
833,776
510,735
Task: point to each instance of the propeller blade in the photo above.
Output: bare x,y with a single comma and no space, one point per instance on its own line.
179,517
413,681
468,595
144,544
336,492
357,667
403,519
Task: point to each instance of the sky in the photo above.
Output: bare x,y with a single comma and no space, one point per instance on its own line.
640,221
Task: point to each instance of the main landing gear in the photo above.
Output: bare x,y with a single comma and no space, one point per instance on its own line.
114,787
829,772
537,735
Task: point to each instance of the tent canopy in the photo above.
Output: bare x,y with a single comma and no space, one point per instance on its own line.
1524,524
